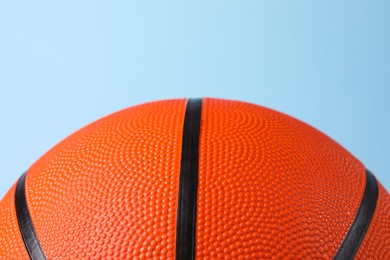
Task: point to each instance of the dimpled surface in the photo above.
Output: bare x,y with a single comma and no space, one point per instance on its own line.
11,243
376,243
271,186
110,190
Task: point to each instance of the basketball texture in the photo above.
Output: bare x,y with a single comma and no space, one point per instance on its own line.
194,179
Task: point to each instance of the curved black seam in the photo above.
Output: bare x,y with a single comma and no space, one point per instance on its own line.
188,186
359,227
25,222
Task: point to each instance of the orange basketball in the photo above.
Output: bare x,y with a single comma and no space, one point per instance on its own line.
197,178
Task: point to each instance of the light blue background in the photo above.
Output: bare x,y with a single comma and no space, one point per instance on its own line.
66,63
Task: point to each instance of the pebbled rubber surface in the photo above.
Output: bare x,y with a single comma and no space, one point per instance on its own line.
270,185
376,243
11,242
110,190
26,225
361,222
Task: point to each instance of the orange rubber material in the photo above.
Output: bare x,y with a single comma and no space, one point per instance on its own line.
11,243
110,190
376,243
269,186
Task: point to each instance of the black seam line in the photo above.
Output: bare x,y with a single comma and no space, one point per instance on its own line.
358,229
188,186
25,222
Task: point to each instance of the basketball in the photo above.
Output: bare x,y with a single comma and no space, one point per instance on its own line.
196,179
